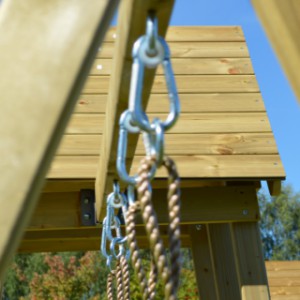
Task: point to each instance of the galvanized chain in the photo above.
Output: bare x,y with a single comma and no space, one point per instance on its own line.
111,224
149,51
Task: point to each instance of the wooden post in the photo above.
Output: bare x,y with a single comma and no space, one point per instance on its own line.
47,49
281,21
229,262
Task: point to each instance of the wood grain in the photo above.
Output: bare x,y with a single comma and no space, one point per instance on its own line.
188,123
190,66
182,144
195,34
193,166
281,21
186,84
192,49
48,80
205,102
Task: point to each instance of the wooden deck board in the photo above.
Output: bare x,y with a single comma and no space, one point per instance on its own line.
205,102
182,144
190,66
192,49
188,123
192,166
186,84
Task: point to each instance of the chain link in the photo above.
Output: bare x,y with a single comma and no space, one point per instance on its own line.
149,51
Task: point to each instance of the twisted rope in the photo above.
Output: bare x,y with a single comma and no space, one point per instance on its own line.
121,275
160,263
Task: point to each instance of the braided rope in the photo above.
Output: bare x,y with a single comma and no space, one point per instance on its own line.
109,285
122,277
119,280
160,263
126,278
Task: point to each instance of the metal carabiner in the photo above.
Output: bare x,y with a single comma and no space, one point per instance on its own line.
122,152
141,60
154,142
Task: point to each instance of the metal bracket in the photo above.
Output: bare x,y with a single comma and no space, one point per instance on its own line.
87,208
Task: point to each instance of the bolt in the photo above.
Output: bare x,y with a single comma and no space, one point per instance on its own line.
87,216
86,201
198,227
245,212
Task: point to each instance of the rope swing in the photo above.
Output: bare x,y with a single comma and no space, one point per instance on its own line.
149,51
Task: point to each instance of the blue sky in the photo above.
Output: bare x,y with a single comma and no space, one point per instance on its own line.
282,107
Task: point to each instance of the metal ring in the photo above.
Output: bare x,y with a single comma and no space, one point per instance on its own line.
116,241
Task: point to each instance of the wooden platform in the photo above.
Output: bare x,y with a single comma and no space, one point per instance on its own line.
223,131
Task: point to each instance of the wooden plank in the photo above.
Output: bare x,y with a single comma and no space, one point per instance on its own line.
257,167
274,187
285,281
48,80
284,290
190,66
57,186
186,84
208,102
182,144
81,239
192,49
196,34
285,297
188,123
56,210
203,262
250,261
224,262
131,25
257,292
218,204
283,265
281,20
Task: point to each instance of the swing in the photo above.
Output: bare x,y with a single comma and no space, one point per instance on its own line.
149,51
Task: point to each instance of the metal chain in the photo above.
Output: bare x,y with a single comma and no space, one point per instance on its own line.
169,273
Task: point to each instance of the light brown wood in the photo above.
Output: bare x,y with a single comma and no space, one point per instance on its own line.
192,49
190,66
202,204
194,166
208,102
274,187
182,144
204,266
281,21
257,292
81,239
224,262
250,261
188,123
186,84
131,25
195,34
48,78
283,265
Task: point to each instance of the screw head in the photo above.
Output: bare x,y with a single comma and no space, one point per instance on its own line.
87,216
198,227
245,212
86,201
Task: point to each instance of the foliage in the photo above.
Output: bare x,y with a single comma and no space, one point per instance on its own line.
280,224
80,276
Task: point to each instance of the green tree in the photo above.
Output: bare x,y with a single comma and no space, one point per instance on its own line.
280,224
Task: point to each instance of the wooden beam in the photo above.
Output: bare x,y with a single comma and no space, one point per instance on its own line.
199,205
281,21
131,25
82,239
48,47
274,187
